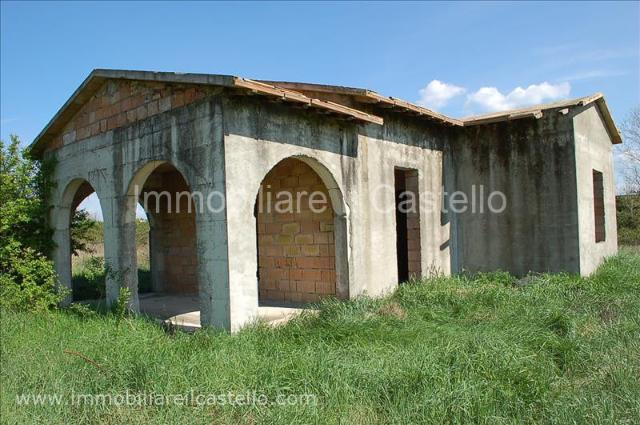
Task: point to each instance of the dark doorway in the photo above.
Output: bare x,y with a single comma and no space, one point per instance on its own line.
407,212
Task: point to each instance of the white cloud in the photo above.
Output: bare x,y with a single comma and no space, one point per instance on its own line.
595,73
491,99
437,94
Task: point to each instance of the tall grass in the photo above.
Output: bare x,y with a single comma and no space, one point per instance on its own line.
467,349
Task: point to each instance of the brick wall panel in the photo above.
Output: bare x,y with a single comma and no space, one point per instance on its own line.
295,249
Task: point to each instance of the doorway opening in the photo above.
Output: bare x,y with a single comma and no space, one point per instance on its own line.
407,211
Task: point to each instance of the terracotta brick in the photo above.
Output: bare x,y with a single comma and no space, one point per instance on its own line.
265,240
291,251
309,227
141,112
321,238
83,133
285,218
310,297
115,109
414,256
326,227
189,95
302,257
262,228
291,181
300,168
69,137
312,274
311,250
291,228
283,285
283,239
164,104
309,179
283,262
152,108
178,99
273,228
328,276
296,297
304,239
308,262
306,286
325,262
272,251
325,288
121,119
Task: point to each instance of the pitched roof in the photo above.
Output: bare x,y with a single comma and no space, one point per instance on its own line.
300,93
98,76
538,111
370,97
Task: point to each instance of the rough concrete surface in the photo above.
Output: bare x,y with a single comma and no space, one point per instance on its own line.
125,130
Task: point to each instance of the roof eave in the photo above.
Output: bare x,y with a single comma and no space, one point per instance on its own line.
538,112
98,76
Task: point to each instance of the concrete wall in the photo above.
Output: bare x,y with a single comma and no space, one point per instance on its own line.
356,164
225,143
113,161
533,163
408,144
594,151
258,136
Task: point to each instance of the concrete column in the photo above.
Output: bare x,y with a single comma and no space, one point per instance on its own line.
120,252
61,255
342,257
213,270
243,264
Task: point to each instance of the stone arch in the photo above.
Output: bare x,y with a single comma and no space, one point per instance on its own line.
172,219
303,256
73,193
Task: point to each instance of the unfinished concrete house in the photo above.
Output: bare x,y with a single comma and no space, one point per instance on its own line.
231,140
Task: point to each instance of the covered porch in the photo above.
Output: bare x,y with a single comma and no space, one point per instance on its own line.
183,310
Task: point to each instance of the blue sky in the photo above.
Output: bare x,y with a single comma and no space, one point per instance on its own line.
479,54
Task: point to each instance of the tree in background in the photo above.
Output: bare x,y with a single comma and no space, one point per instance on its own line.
631,151
628,204
85,230
27,277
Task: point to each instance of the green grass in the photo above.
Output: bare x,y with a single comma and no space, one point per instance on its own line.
89,279
448,350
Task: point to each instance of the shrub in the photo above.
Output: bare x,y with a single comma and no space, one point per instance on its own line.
27,278
89,281
628,218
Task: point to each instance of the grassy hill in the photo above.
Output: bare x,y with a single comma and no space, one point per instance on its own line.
476,349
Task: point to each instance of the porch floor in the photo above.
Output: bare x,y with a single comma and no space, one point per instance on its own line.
183,310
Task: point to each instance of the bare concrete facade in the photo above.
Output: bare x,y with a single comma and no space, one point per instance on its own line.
210,134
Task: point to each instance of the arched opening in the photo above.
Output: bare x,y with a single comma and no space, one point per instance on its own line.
82,223
167,257
301,240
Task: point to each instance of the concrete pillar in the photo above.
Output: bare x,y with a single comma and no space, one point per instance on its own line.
341,236
213,269
120,251
61,255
